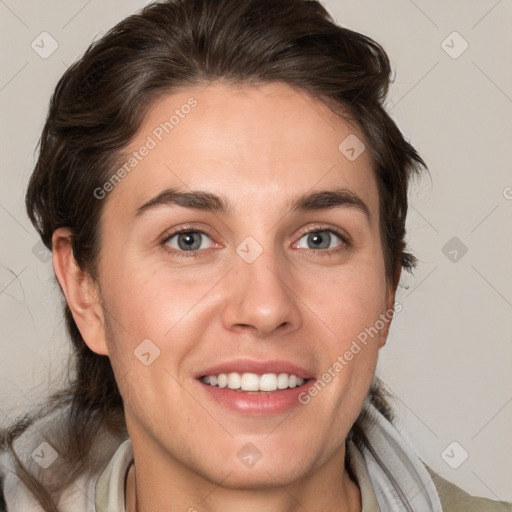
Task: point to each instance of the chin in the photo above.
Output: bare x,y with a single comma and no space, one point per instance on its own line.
260,476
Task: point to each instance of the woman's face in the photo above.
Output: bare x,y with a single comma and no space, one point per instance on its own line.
272,277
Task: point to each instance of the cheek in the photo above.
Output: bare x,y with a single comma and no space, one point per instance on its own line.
148,301
154,320
351,312
350,302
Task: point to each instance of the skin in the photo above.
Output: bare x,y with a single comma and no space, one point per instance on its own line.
260,147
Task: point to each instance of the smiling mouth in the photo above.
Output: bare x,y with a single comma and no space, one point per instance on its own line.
253,383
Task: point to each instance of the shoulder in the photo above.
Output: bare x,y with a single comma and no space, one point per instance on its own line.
16,496
454,499
42,453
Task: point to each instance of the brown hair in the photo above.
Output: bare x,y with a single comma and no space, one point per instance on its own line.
98,106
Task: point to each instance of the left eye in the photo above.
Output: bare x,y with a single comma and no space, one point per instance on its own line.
187,240
320,239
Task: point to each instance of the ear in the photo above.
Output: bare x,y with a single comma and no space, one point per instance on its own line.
390,306
81,292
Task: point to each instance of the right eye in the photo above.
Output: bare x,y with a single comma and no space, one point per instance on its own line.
186,241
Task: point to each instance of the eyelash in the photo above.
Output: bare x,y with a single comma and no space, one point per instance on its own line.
345,242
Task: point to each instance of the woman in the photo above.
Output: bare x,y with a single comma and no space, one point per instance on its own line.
225,201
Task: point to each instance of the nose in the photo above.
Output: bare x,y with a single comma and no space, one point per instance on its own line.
261,297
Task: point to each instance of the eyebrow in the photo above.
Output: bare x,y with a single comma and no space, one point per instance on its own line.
208,202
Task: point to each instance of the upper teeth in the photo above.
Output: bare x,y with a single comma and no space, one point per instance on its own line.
254,382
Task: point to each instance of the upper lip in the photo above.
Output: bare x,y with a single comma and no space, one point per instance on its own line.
254,366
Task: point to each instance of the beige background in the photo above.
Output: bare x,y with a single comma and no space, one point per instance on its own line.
448,359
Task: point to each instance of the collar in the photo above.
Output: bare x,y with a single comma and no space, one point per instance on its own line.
390,476
110,486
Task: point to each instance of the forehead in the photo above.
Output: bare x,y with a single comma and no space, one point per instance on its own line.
266,142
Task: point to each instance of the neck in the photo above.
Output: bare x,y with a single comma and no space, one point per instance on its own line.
318,494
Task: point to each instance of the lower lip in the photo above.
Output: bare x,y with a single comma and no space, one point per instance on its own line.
257,403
